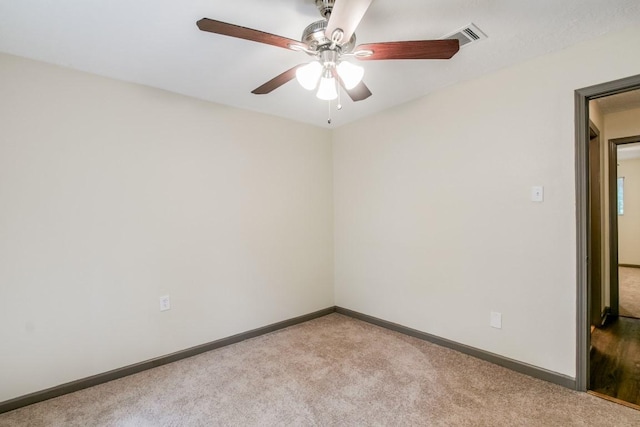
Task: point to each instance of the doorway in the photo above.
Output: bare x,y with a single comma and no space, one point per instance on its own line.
624,189
586,306
615,345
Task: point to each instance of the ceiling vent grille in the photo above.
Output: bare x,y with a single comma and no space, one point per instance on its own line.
467,35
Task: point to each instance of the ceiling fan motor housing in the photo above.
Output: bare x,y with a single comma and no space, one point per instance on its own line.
314,37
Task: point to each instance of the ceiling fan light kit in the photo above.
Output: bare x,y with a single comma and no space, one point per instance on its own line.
350,74
308,75
330,40
322,71
327,89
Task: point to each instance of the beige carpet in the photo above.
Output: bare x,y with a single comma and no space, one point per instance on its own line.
330,371
629,279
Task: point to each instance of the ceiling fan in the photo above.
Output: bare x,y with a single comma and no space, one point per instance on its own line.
331,40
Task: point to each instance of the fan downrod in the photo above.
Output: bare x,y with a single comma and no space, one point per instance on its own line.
325,7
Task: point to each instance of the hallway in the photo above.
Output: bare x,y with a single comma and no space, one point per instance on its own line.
629,291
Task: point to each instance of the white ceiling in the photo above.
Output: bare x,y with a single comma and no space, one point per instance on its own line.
157,43
620,102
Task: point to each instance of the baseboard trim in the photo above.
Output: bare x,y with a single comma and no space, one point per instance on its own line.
70,387
629,265
73,386
614,400
514,365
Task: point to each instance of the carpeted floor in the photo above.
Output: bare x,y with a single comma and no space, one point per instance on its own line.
629,280
330,371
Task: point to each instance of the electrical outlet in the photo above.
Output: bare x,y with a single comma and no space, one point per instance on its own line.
165,303
496,320
537,193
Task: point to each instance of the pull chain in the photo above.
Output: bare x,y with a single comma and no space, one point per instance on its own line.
329,104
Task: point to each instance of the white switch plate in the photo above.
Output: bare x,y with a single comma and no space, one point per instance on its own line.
165,303
537,193
496,320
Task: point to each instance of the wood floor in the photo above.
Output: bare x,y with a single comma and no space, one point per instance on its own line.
615,359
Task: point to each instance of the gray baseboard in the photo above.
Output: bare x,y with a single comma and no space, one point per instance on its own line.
94,380
514,365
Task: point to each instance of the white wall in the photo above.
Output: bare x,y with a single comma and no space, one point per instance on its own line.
434,227
622,124
113,194
596,116
629,223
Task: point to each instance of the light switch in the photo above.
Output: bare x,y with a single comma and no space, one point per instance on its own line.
537,193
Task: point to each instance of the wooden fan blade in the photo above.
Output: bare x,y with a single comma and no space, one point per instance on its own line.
421,49
277,81
218,27
346,15
358,93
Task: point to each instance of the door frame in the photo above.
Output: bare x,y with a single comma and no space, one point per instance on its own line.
596,262
582,98
614,284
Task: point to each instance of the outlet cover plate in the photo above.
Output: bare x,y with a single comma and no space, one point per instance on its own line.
165,303
537,193
496,320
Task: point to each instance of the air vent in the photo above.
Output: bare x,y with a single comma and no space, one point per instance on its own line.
467,35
